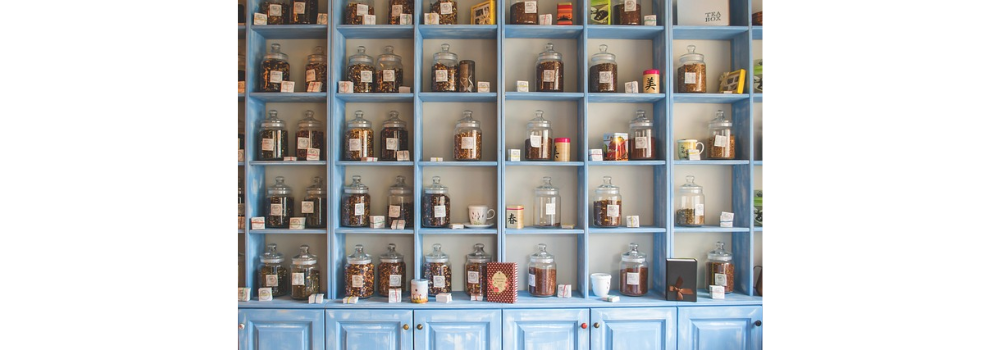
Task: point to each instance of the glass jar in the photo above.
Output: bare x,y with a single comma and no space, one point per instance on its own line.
475,271
720,268
607,205
242,68
316,69
313,208
435,205
444,71
538,143
641,143
634,272
400,202
310,140
361,71
468,138
241,211
721,142
359,274
391,271
356,11
394,137
542,273
549,70
359,139
276,10
447,11
603,71
524,12
304,11
279,204
691,211
272,138
437,270
466,76
355,205
691,76
305,274
626,12
548,205
397,8
274,69
390,71
271,273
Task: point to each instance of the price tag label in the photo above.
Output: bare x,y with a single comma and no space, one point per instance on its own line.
264,294
438,281
440,75
271,280
690,77
315,86
431,18
391,143
632,278
359,209
402,155
357,281
629,5
299,7
395,280
548,75
483,86
312,154
298,279
397,10
259,19
473,277
275,77
362,10
307,207
522,86
394,211
721,141
345,87
604,77
613,210
277,209
468,143
257,223
354,145
288,86
439,211
720,279
446,8
406,19
640,142
303,142
274,10
296,223
535,141
242,86
389,75
530,7
545,20
267,144
321,18
369,20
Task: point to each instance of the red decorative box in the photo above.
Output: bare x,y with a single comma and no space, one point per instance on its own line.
501,282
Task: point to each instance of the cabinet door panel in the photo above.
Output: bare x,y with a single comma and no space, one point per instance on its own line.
707,328
546,329
650,328
281,329
369,329
457,329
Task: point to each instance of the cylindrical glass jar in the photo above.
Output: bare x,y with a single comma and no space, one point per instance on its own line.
389,76
538,142
271,273
444,71
391,271
691,76
356,11
634,272
549,70
279,204
437,271
272,138
359,139
316,68
355,206
720,268
721,141
603,71
305,274
400,202
359,274
607,205
305,11
468,138
394,137
361,71
397,8
641,143
626,12
466,76
447,11
435,205
542,273
276,10
475,271
691,210
314,206
548,205
524,12
274,69
562,149
310,139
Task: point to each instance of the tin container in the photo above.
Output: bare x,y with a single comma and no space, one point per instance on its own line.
418,291
515,217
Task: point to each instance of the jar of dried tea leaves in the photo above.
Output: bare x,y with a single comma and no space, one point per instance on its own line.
279,204
691,76
444,71
274,69
361,71
607,205
304,11
313,208
359,139
400,202
720,268
626,12
549,70
468,143
305,274
276,10
356,11
394,137
437,270
310,140
691,209
524,12
538,141
634,272
542,273
435,205
272,138
721,141
359,274
447,11
641,143
603,71
355,205
389,76
271,273
475,271
316,69
391,271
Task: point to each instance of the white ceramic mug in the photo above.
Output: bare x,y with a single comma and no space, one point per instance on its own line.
687,147
480,214
601,284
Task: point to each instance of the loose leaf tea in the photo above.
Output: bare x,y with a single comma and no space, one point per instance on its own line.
543,151
279,279
316,219
691,78
621,15
305,12
394,139
728,151
449,6
634,290
427,207
727,269
405,213
359,144
549,76
468,145
312,139
446,81
603,77
602,217
272,73
273,144
360,280
351,15
279,211
389,80
355,209
310,284
316,72
687,217
519,15
386,271
641,146
475,278
363,76
397,8
432,270
545,282
277,12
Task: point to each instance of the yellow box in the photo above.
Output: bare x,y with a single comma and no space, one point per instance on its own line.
484,13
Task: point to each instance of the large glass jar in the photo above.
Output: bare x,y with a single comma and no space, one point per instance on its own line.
310,140
542,273
603,71
524,12
437,271
356,11
549,70
271,273
634,272
607,205
435,205
721,143
641,143
279,204
361,71
359,274
272,138
397,8
276,10
274,69
626,12
394,136
391,271
691,210
475,271
691,76
720,268
468,138
538,141
241,211
400,202
313,208
305,11
316,68
305,274
447,11
390,71
359,139
355,205
548,205
444,71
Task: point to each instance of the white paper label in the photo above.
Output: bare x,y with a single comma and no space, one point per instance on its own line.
287,86
548,75
531,280
368,20
259,19
271,280
720,279
307,207
300,8
302,142
431,18
439,211
629,5
535,141
440,75
721,141
311,75
483,86
405,19
395,280
277,209
366,76
473,277
362,10
605,77
241,86
694,156
298,279
312,154
359,209
402,155
640,142
612,210
397,10
699,209
690,77
550,209
357,281
391,143
275,76
354,145
267,144
530,7
632,278
438,281
394,211
274,10
446,8
389,75
321,18
468,143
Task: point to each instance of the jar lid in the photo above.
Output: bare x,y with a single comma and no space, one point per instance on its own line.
549,54
394,121
436,256
515,207
279,187
436,187
478,255
276,54
546,188
692,56
272,121
309,122
271,255
400,187
391,256
651,71
316,188
607,187
317,56
690,186
602,57
388,55
538,122
720,253
356,186
359,256
633,255
562,139
467,121
304,258
720,121
445,55
359,121
542,256
360,57
640,119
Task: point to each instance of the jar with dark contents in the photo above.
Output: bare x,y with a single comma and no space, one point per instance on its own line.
721,142
548,205
359,139
271,273
641,142
691,209
241,212
355,205
356,11
304,11
607,205
720,268
391,271
542,273
394,136
468,143
524,12
274,69
400,202
359,274
437,271
316,68
691,76
435,205
447,11
272,138
361,71
310,140
603,71
279,204
538,141
313,208
467,76
397,8
475,271
243,68
626,12
276,10
389,74
634,272
549,70
444,71
305,274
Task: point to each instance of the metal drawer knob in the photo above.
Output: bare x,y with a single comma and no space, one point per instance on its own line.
420,326
406,327
242,326
758,323
597,325
583,325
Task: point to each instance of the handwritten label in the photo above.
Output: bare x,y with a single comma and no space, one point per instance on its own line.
395,280
300,8
312,154
287,86
345,87
721,141
307,207
259,19
277,210
362,10
641,142
530,7
613,210
314,86
440,75
271,280
275,76
359,209
394,211
357,281
402,155
446,8
298,279
267,144
274,10
354,145
311,75
604,77
629,5
439,211
438,281
548,75
389,75
369,20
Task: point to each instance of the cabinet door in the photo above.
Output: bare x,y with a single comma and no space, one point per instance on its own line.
369,329
620,328
266,329
457,329
546,329
735,327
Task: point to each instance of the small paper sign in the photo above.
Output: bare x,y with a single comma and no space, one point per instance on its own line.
297,223
632,221
242,86
522,86
259,19
395,295
321,19
726,216
312,154
406,19
369,20
287,86
514,155
345,87
264,294
315,86
402,155
431,18
632,87
483,86
257,223
649,20
244,294
545,20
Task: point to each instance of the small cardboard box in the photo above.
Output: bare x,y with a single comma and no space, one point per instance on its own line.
616,146
703,12
682,279
600,12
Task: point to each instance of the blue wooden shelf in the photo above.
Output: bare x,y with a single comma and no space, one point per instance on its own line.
757,32
628,163
758,97
381,31
458,31
679,229
708,32
709,98
372,231
461,231
623,32
239,163
711,162
541,163
291,31
543,96
285,231
242,96
623,229
378,163
458,96
289,163
758,229
375,97
543,231
624,98
758,163
289,96
527,31
455,163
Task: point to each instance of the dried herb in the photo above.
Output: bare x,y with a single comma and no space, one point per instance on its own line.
277,12
725,152
728,269
279,219
351,14
471,147
315,140
363,76
637,153
385,280
432,270
350,215
318,74
601,215
360,280
519,16
609,81
620,16
278,144
396,137
305,12
545,282
405,213
686,217
276,66
399,7
359,144
542,152
279,274
427,203
310,284
450,18
385,85
549,76
467,76
474,281
448,83
634,290
316,219
691,78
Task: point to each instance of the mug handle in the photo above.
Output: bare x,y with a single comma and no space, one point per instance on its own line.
702,149
490,214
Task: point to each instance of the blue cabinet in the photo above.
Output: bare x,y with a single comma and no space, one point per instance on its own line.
457,329
708,328
625,328
281,329
546,329
369,329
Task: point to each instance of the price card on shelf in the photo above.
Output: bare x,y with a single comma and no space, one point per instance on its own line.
244,294
345,87
257,223
431,18
322,18
264,294
402,156
242,86
315,86
287,86
649,20
406,19
522,86
369,20
632,87
545,20
483,86
259,19
297,223
312,154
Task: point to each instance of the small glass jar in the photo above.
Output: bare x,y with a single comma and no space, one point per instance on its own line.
305,274
626,12
437,270
361,71
549,70
272,138
542,273
394,136
538,142
435,205
310,140
279,204
607,205
691,76
447,11
641,143
313,208
274,69
359,274
720,268
316,69
356,11
355,206
391,271
634,272
276,10
389,76
691,211
397,8
721,141
603,71
271,273
466,76
475,271
304,11
400,202
524,12
468,138
444,71
548,205
359,139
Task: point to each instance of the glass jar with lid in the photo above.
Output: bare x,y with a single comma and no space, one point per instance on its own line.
304,11
634,272
603,71
400,202
310,140
272,138
355,205
359,139
313,208
356,11
641,143
274,69
435,205
524,12
691,210
720,268
548,205
626,12
468,138
721,143
538,143
691,76
389,75
305,274
475,271
271,273
316,69
437,270
398,8
394,137
391,271
243,68
444,71
276,10
607,205
241,212
542,273
447,11
361,71
359,274
549,70
279,204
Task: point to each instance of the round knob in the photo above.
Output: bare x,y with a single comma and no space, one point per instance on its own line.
420,326
597,325
583,325
242,326
758,323
406,326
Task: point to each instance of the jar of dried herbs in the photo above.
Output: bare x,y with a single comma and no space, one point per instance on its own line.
305,11
548,205
391,271
356,11
444,71
400,202
359,274
271,273
437,270
524,12
272,138
316,68
447,11
389,76
397,8
691,76
538,141
361,71
394,136
468,143
475,271
279,204
642,143
626,12
435,205
607,205
721,141
274,69
720,268
359,139
603,71
276,10
542,273
355,204
691,209
549,70
634,272
310,140
241,212
313,208
305,274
